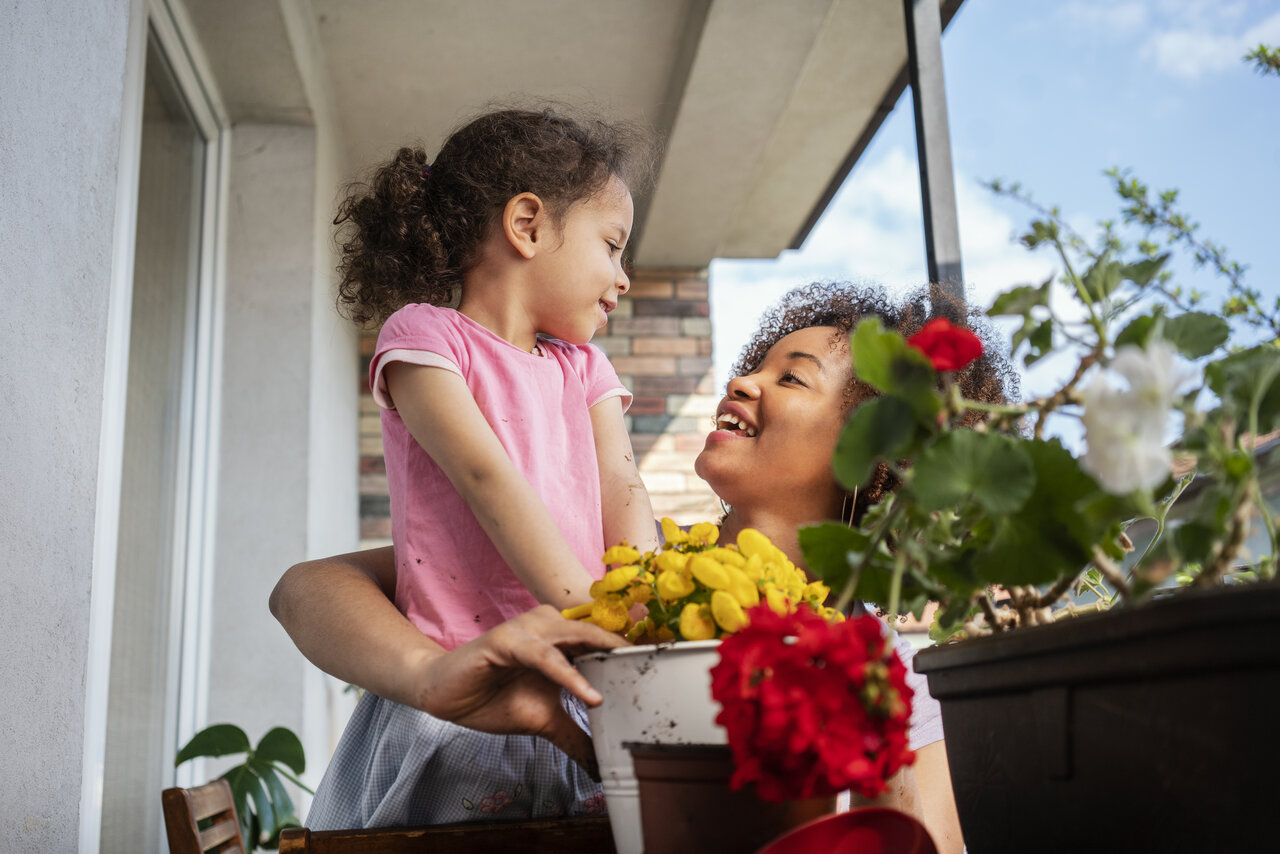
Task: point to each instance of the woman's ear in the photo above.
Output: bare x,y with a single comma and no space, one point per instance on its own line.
525,223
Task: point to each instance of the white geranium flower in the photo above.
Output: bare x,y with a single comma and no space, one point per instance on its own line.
1124,429
1155,374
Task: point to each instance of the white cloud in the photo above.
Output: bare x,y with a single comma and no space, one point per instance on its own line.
1191,52
1105,16
873,233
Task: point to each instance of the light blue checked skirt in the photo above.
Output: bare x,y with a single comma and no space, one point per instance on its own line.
396,765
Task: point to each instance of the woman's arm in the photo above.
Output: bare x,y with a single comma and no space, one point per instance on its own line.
340,614
937,801
438,409
628,514
923,791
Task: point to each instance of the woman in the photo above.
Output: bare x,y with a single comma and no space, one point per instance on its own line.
769,459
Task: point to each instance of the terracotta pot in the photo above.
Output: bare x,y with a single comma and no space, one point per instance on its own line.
686,803
866,830
653,694
1136,730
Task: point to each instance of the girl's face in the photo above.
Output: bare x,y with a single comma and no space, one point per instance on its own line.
580,279
776,428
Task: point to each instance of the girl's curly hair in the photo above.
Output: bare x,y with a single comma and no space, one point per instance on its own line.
411,234
990,379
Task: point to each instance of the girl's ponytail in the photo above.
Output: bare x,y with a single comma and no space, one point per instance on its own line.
391,249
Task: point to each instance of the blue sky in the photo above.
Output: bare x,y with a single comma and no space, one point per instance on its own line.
1051,94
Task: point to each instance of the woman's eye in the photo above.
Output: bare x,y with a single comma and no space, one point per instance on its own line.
788,376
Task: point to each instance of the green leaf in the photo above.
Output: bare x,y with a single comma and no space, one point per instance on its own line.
1041,341
1144,271
281,803
217,740
241,779
1021,300
826,547
1245,379
1138,331
1048,537
281,745
880,428
1102,278
992,469
885,361
1194,541
1195,333
262,809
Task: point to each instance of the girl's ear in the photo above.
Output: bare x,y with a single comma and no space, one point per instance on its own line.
526,223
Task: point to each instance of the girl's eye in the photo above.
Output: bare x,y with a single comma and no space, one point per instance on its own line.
613,247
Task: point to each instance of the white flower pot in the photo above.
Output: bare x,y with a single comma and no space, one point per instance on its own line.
652,694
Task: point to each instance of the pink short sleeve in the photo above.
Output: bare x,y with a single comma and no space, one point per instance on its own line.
419,334
600,379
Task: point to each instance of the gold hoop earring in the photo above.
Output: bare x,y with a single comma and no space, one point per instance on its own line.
849,507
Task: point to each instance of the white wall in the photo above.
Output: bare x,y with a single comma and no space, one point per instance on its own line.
263,476
288,460
62,69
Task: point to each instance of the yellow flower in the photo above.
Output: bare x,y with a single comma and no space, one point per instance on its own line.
578,611
610,613
674,585
776,601
671,532
614,580
754,568
742,588
642,593
704,532
752,542
621,554
710,572
726,610
815,592
640,630
672,560
729,556
696,622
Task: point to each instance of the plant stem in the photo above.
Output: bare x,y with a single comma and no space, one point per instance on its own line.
1111,572
877,537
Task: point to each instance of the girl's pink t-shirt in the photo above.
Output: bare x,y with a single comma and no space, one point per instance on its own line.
451,582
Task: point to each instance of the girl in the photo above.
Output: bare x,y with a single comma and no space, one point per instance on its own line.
508,464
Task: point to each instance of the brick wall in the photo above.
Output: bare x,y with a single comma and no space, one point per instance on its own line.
659,340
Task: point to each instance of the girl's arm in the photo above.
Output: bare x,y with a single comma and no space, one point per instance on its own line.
438,409
628,514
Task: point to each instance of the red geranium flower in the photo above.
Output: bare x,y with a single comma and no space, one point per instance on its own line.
948,347
812,708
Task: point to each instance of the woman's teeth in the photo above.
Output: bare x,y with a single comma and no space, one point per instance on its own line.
733,423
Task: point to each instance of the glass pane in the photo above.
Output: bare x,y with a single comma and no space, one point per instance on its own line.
155,454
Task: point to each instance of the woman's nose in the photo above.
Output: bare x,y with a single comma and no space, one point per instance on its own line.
743,388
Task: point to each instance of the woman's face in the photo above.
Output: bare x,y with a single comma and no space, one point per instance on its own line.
776,428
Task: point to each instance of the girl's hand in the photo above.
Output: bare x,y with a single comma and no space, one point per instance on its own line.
508,680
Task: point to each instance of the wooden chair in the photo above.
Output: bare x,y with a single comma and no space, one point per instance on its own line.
559,836
184,809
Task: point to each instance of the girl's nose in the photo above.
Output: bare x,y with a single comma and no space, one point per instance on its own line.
743,388
622,283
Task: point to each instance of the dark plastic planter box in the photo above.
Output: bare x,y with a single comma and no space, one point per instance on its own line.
1141,730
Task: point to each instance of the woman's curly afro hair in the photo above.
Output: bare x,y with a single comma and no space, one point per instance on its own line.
841,305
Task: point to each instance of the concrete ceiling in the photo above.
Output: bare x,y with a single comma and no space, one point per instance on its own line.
764,105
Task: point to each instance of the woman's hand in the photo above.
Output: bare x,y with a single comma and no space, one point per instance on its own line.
508,680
